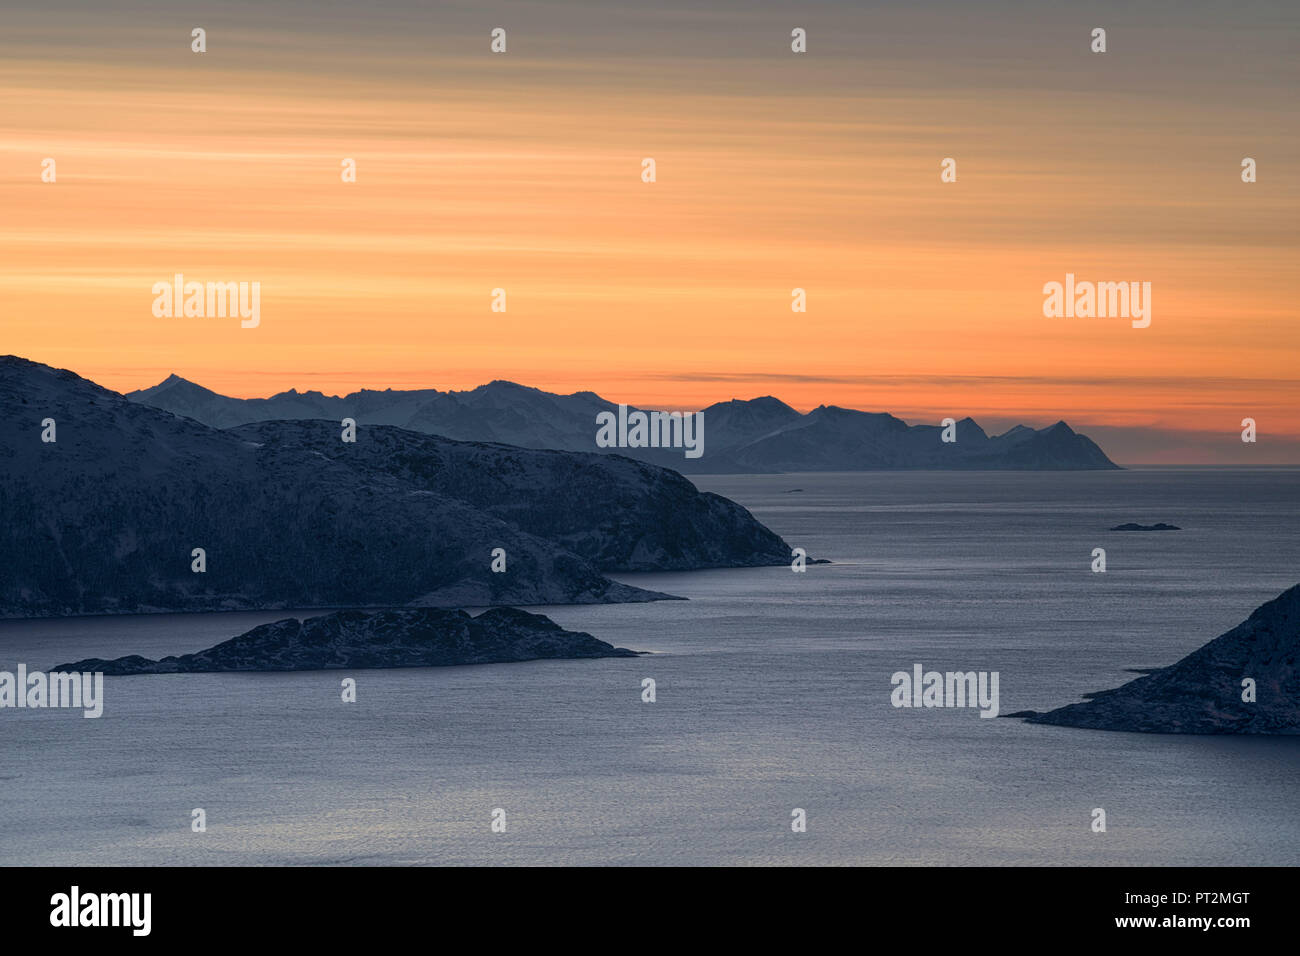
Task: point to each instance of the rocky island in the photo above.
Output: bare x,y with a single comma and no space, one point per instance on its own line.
1206,692
402,637
1158,526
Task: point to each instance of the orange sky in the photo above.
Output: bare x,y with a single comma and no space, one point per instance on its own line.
523,172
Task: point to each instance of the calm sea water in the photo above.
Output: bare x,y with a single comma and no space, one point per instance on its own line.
773,693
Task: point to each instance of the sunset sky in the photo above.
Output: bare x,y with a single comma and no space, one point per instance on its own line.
775,171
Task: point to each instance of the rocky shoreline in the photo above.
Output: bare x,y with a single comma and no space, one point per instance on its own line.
1243,682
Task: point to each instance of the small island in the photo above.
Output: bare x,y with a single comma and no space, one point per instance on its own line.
402,637
1159,526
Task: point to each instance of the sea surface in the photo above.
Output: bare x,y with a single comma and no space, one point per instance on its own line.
773,693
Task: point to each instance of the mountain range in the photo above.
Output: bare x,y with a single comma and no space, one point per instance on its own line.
760,435
106,518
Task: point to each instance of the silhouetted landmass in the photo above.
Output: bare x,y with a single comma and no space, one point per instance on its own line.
405,637
105,519
1202,693
759,435
620,514
1159,526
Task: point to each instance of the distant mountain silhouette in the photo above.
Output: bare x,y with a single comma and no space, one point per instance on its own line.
758,435
104,520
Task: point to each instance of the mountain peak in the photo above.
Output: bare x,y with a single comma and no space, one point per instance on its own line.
172,380
767,403
175,388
